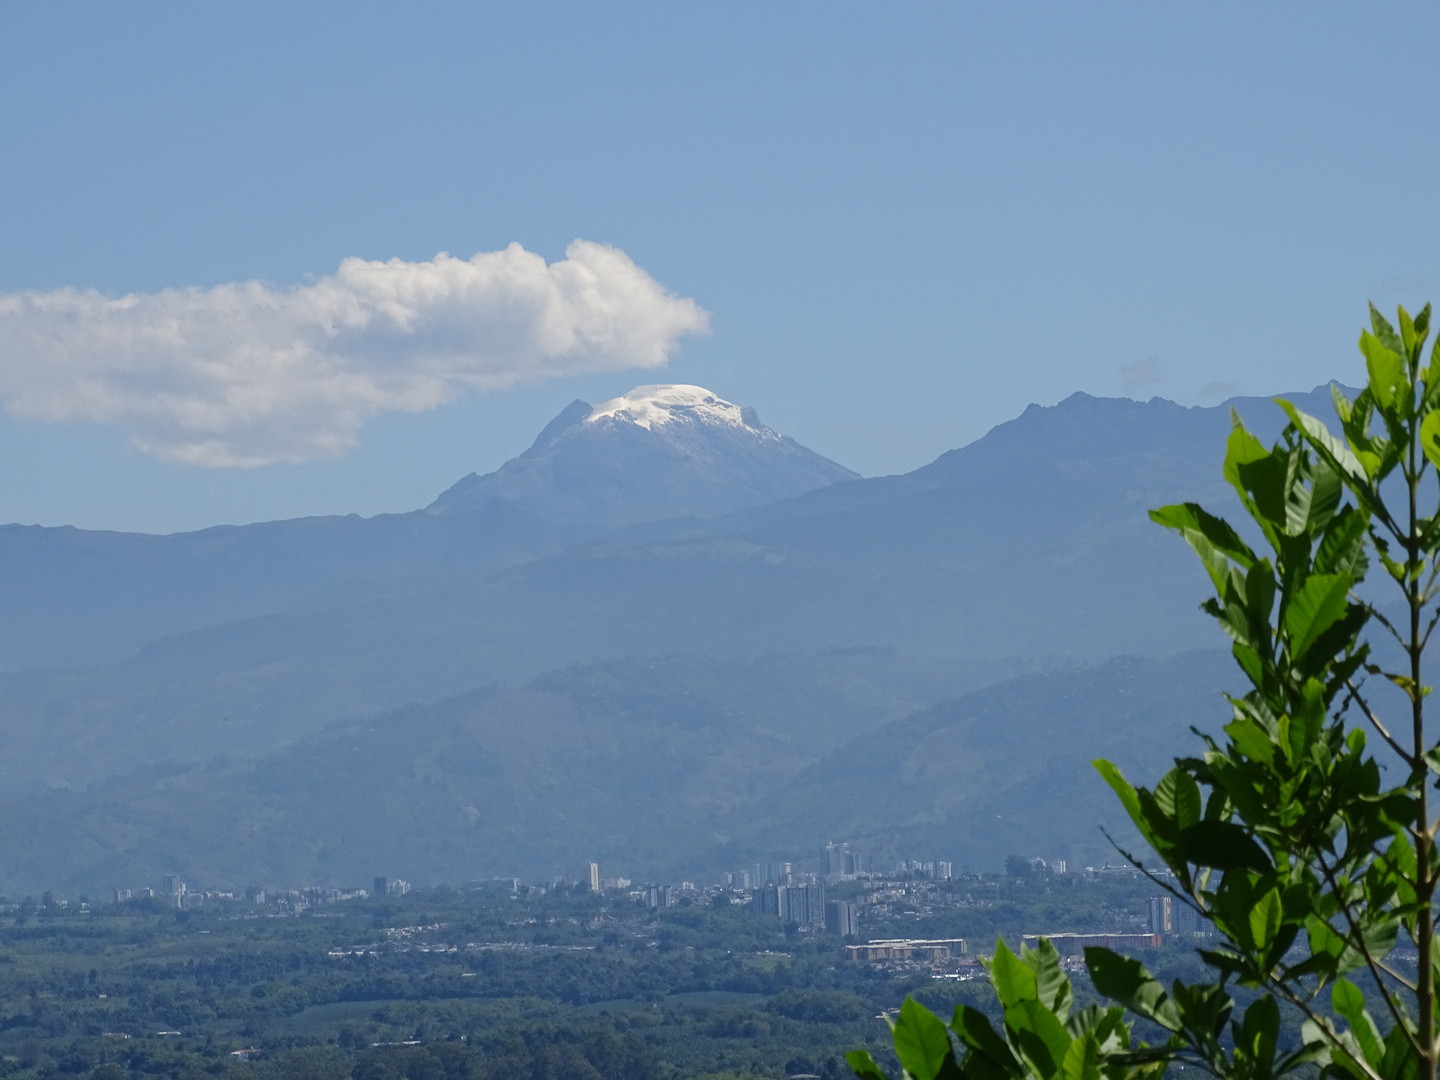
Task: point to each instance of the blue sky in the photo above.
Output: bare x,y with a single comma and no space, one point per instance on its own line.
905,222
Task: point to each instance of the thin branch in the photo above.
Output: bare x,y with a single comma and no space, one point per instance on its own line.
1370,961
1434,619
1401,979
1204,913
1184,898
1355,696
1427,592
1325,1026
1375,614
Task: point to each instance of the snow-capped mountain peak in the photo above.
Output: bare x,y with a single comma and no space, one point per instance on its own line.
660,451
652,406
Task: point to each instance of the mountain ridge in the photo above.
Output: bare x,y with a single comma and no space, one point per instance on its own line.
1046,557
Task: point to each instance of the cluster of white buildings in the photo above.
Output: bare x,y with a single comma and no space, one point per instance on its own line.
180,896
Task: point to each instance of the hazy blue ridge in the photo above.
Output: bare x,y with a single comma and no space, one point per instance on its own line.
656,768
1028,550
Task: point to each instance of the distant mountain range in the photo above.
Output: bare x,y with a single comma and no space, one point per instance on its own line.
78,598
648,526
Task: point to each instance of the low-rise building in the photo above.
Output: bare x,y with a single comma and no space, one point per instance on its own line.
1075,944
908,949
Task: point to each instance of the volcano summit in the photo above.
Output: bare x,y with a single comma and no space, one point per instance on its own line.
657,452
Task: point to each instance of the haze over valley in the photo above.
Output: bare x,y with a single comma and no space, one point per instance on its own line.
665,635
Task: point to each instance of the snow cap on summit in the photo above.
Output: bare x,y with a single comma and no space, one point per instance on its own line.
652,406
657,452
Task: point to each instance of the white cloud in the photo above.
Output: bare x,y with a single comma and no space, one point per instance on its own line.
245,374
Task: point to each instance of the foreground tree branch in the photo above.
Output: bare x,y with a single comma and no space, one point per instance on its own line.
1285,827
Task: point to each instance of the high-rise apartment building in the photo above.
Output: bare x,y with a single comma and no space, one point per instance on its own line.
1165,915
842,918
391,887
802,904
1160,915
175,890
774,873
592,875
839,863
1186,920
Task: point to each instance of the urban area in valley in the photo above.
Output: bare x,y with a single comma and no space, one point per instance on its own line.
780,964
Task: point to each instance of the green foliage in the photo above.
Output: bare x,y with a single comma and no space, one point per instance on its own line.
1041,1036
1286,833
575,990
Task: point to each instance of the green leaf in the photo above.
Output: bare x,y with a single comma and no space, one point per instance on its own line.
1321,601
1399,1059
1432,759
1052,988
1430,435
1223,845
1259,600
1203,1008
1432,377
1251,740
1310,508
1265,919
1342,550
1125,980
1318,435
973,1029
1260,1030
1193,517
1349,1002
1013,981
1422,325
1211,537
1384,331
1379,937
1082,1060
1267,481
1128,797
1386,369
1040,1036
1407,333
1331,954
863,1065
921,1042
1178,797
1341,403
1241,448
